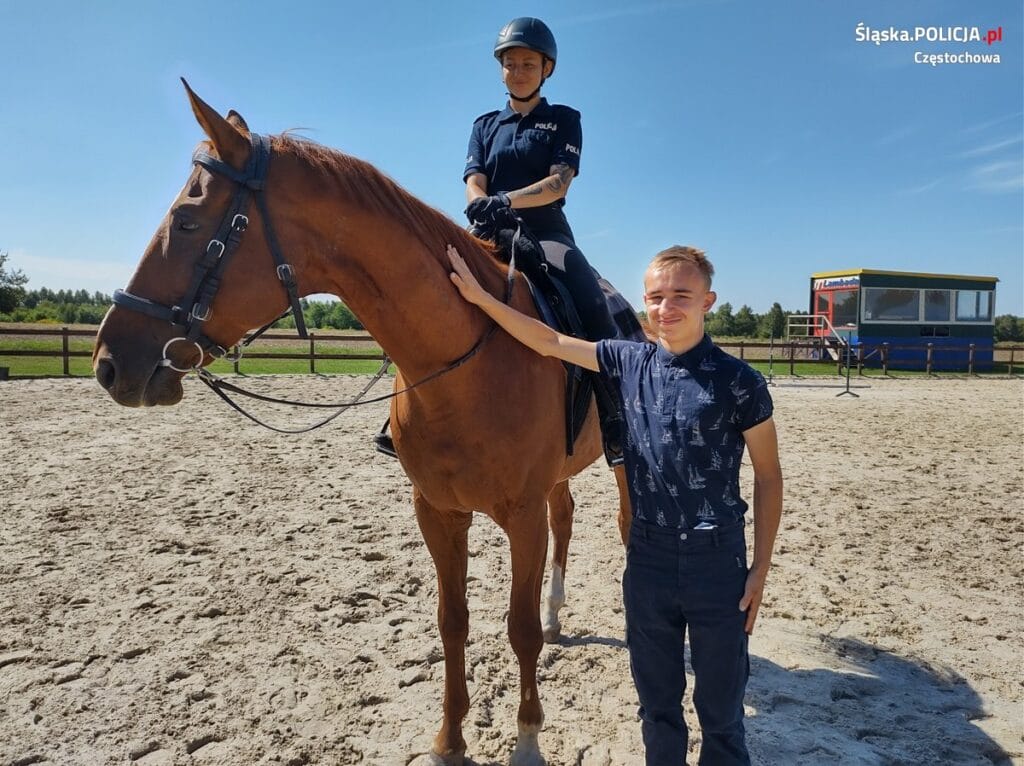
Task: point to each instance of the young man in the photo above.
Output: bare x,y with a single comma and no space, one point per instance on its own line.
690,409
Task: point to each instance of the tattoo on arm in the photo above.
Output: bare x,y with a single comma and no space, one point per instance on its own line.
562,176
527,191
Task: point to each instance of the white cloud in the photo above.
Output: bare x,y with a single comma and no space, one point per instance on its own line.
992,147
997,177
921,189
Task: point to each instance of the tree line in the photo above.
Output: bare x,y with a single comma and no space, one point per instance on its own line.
18,304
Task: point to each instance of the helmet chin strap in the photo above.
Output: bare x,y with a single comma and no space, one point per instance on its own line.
514,97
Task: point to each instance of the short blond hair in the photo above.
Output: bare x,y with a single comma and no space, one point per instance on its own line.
677,255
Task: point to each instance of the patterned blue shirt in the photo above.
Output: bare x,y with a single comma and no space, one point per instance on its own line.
685,417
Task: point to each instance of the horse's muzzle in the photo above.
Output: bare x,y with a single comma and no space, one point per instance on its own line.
137,388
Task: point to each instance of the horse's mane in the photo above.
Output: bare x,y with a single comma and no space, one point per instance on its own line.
368,187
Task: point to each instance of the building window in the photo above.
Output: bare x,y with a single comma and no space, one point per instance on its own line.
887,304
973,305
937,305
844,307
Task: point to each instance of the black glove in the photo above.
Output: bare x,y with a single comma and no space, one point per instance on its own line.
488,210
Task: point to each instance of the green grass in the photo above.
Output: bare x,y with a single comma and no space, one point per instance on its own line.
827,369
37,366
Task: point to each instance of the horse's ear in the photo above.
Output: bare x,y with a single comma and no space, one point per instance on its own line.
237,120
231,145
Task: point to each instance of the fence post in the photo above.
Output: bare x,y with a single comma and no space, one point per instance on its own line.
64,350
1010,370
741,349
885,359
234,364
312,353
860,358
928,359
970,359
792,349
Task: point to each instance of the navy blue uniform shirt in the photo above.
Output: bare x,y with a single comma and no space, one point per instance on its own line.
685,417
514,152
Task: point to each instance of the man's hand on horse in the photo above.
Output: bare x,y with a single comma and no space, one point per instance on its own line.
464,279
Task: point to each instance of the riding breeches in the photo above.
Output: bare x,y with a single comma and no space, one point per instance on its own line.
581,281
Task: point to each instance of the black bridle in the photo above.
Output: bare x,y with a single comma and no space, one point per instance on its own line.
194,308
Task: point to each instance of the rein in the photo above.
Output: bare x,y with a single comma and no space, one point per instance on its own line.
219,385
206,278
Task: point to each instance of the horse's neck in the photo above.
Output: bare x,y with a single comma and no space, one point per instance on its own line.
402,293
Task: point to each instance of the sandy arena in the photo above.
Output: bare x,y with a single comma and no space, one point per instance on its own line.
180,587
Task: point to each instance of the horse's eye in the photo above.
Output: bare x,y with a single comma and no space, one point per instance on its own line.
188,226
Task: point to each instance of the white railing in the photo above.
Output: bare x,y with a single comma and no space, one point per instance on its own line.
818,327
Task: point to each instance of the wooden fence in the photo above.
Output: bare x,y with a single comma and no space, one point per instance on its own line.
784,354
65,353
879,355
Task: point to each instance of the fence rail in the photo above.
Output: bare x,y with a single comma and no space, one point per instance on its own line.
786,353
65,353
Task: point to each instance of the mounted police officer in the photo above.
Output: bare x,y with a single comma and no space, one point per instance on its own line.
524,158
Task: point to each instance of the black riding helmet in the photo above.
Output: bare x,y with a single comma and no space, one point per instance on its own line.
527,32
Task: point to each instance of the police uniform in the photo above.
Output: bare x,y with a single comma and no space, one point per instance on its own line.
514,151
686,564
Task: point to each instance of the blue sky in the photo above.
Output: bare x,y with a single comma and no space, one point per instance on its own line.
764,133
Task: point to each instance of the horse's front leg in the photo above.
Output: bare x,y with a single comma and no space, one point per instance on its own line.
446,533
560,510
528,539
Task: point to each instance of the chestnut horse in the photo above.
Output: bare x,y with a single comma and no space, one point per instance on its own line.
487,436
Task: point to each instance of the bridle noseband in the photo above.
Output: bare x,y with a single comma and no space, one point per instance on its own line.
194,308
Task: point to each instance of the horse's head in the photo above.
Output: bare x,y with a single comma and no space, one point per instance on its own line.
204,280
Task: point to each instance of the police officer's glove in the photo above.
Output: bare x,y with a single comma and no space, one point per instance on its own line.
488,210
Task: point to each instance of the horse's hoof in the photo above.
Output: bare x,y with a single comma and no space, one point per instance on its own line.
527,749
553,634
526,758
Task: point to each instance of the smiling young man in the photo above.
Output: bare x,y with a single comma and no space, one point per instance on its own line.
690,411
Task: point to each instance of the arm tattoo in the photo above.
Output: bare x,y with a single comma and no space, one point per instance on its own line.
527,191
562,176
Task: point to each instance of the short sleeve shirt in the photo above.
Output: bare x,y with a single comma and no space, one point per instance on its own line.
514,152
685,416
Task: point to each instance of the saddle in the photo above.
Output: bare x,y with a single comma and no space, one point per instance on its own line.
537,262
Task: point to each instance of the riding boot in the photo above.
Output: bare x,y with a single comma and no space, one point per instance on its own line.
382,441
609,416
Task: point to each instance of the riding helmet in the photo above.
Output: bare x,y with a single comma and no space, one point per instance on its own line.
527,32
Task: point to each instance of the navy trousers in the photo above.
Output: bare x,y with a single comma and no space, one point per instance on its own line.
678,581
581,281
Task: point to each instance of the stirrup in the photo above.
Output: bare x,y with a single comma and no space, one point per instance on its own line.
611,441
382,441
613,453
383,444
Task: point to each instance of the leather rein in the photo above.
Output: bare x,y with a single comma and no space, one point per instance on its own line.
195,307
